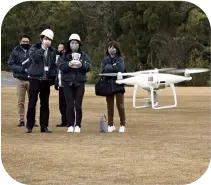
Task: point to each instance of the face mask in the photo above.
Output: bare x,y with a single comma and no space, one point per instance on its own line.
48,42
25,46
112,51
74,47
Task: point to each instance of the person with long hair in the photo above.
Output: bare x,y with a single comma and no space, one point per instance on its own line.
113,62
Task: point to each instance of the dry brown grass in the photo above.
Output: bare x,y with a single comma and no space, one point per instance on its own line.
160,147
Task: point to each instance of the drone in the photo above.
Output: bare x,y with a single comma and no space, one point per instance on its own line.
153,80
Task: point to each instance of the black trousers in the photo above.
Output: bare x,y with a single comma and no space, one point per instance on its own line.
62,106
41,88
74,98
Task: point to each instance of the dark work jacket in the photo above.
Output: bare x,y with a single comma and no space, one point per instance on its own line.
114,65
37,62
70,75
15,62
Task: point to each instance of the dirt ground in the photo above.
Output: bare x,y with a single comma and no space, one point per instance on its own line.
170,146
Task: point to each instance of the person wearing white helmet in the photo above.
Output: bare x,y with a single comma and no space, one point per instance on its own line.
74,65
42,72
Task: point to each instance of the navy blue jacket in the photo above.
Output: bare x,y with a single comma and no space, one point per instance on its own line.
37,62
73,75
17,57
114,65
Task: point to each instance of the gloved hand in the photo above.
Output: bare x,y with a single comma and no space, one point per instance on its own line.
25,70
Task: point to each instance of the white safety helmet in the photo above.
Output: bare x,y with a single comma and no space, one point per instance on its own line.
48,33
75,36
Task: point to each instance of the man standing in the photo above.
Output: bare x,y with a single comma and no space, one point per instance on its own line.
59,87
42,73
18,62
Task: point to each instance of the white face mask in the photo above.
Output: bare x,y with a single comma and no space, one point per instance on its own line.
74,47
48,42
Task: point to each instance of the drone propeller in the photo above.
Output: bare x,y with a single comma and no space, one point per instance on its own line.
153,70
116,74
189,70
136,73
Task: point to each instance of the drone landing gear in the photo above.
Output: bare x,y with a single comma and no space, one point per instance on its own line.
153,101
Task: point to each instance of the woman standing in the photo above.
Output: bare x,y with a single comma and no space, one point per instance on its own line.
74,65
113,62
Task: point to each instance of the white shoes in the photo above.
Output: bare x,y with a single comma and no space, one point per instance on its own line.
112,128
77,129
122,129
71,129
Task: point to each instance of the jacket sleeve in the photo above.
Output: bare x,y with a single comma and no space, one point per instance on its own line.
54,63
36,54
13,64
86,64
63,65
57,71
102,66
57,79
118,66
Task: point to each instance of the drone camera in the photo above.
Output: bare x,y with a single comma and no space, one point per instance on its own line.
119,76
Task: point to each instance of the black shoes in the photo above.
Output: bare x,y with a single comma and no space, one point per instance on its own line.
35,125
61,125
29,131
45,130
21,124
41,130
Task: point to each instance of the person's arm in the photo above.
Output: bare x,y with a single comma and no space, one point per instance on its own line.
63,65
54,63
102,66
118,66
86,64
36,54
12,62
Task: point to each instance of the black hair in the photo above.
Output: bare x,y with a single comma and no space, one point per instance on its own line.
24,36
115,45
63,43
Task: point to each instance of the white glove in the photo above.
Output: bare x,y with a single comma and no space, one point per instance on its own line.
25,70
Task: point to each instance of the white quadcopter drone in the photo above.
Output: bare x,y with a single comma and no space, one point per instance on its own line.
152,80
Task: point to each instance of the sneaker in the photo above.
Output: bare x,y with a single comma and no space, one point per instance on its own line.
77,129
122,129
111,128
70,129
21,124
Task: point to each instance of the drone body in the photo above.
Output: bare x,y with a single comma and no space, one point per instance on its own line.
151,81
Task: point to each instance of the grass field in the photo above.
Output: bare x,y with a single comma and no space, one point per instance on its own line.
169,146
